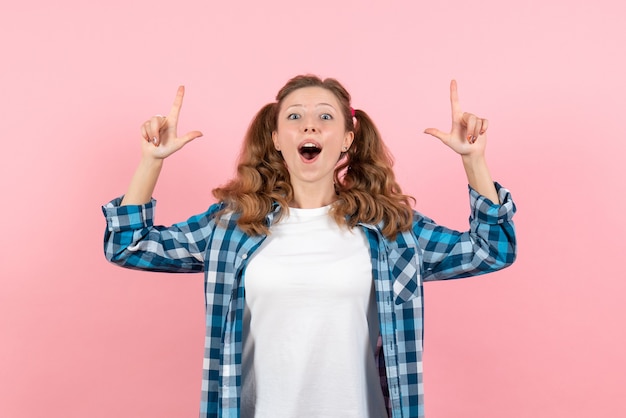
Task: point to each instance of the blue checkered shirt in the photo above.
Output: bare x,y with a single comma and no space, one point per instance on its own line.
399,267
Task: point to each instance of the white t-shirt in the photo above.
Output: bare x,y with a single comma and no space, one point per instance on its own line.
310,326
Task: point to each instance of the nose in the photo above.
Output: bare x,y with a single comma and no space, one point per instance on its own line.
309,124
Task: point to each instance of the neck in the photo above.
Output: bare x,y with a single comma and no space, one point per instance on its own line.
309,196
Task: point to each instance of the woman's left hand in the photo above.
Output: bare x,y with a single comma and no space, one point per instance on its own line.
468,133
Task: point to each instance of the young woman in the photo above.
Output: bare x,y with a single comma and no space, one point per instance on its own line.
313,258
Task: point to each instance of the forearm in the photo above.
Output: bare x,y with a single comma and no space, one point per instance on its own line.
478,176
143,182
488,245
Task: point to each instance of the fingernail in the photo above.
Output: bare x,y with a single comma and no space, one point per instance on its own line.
469,138
473,139
154,140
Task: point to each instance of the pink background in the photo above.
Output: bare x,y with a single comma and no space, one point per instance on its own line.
82,338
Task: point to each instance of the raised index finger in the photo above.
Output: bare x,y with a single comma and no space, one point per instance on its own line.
178,103
454,99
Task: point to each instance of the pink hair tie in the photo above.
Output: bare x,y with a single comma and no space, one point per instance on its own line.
352,112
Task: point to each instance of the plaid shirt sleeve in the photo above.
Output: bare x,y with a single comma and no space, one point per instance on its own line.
489,244
131,240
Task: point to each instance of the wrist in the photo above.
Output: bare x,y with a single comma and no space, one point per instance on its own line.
473,160
478,176
151,163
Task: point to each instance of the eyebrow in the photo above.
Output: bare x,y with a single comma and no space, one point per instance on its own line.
317,105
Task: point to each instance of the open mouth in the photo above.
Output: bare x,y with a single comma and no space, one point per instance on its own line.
309,150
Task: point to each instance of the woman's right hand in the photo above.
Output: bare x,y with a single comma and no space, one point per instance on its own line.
159,132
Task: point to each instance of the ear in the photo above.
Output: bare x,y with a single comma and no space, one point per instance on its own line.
275,140
347,139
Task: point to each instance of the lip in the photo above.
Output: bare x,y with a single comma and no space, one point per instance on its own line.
309,141
311,161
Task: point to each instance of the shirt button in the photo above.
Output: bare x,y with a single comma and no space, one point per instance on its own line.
244,256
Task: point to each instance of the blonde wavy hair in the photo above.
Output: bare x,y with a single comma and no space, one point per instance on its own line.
365,184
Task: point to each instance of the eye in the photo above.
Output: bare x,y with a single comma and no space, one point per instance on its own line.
293,116
326,116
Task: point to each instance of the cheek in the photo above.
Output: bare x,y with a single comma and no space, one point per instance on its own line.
283,134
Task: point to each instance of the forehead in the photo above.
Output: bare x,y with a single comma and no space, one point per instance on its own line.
310,96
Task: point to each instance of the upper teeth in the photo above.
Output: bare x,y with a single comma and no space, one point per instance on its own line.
309,145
